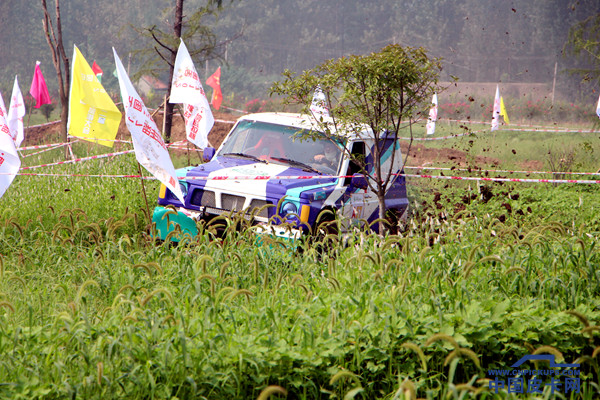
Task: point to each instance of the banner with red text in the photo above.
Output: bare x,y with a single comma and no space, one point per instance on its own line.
150,148
186,89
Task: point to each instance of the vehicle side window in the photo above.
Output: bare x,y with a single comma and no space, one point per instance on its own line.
358,152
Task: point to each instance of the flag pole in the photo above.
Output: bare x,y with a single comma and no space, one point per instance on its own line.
144,192
164,127
187,141
30,109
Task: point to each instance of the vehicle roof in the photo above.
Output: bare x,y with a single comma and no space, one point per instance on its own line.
302,121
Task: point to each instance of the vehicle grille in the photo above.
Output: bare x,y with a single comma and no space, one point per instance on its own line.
203,198
258,204
232,203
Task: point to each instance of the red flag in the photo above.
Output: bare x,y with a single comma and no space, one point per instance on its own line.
39,90
214,81
97,71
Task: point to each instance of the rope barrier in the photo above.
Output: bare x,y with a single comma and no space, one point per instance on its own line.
45,150
468,121
502,171
288,177
79,159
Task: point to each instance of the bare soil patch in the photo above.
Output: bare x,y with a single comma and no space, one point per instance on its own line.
51,133
420,156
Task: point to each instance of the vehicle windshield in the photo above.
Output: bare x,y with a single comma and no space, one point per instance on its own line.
276,143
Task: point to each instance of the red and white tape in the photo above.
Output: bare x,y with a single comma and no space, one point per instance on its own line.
44,124
234,109
83,175
469,178
49,149
549,130
41,146
468,121
441,137
287,177
224,121
96,140
79,159
501,171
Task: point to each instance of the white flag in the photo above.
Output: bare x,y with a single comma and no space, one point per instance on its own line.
187,89
432,116
16,113
598,108
3,115
9,158
150,149
319,103
496,110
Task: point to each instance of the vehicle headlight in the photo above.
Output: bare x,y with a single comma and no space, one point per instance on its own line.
289,208
183,188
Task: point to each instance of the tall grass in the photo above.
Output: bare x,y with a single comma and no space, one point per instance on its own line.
92,307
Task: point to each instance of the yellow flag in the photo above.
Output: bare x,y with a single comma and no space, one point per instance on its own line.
503,111
93,115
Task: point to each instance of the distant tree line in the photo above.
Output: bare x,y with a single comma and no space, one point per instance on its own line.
480,40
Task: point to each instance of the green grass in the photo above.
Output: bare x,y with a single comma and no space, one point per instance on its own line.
92,307
513,149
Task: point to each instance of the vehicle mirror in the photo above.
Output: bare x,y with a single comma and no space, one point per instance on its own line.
208,153
359,181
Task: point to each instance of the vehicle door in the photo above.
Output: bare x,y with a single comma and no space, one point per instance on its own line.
358,202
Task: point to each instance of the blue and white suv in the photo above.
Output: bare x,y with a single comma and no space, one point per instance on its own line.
265,149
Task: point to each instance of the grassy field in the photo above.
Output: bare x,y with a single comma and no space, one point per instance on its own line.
92,307
516,148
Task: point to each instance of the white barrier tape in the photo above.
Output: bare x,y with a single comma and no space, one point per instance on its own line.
469,178
442,137
83,175
44,146
468,121
234,109
184,148
216,120
502,171
79,159
548,130
286,177
94,139
45,150
41,146
44,124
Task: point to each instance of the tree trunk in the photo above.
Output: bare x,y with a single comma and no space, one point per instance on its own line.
381,198
58,56
169,107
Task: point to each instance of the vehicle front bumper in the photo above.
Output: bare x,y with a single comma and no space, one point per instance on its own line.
166,220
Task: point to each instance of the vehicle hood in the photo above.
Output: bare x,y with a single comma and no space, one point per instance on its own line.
222,170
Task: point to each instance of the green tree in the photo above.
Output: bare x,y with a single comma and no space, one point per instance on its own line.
381,92
584,43
159,55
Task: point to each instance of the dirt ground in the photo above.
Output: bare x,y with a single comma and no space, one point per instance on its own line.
419,154
50,133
